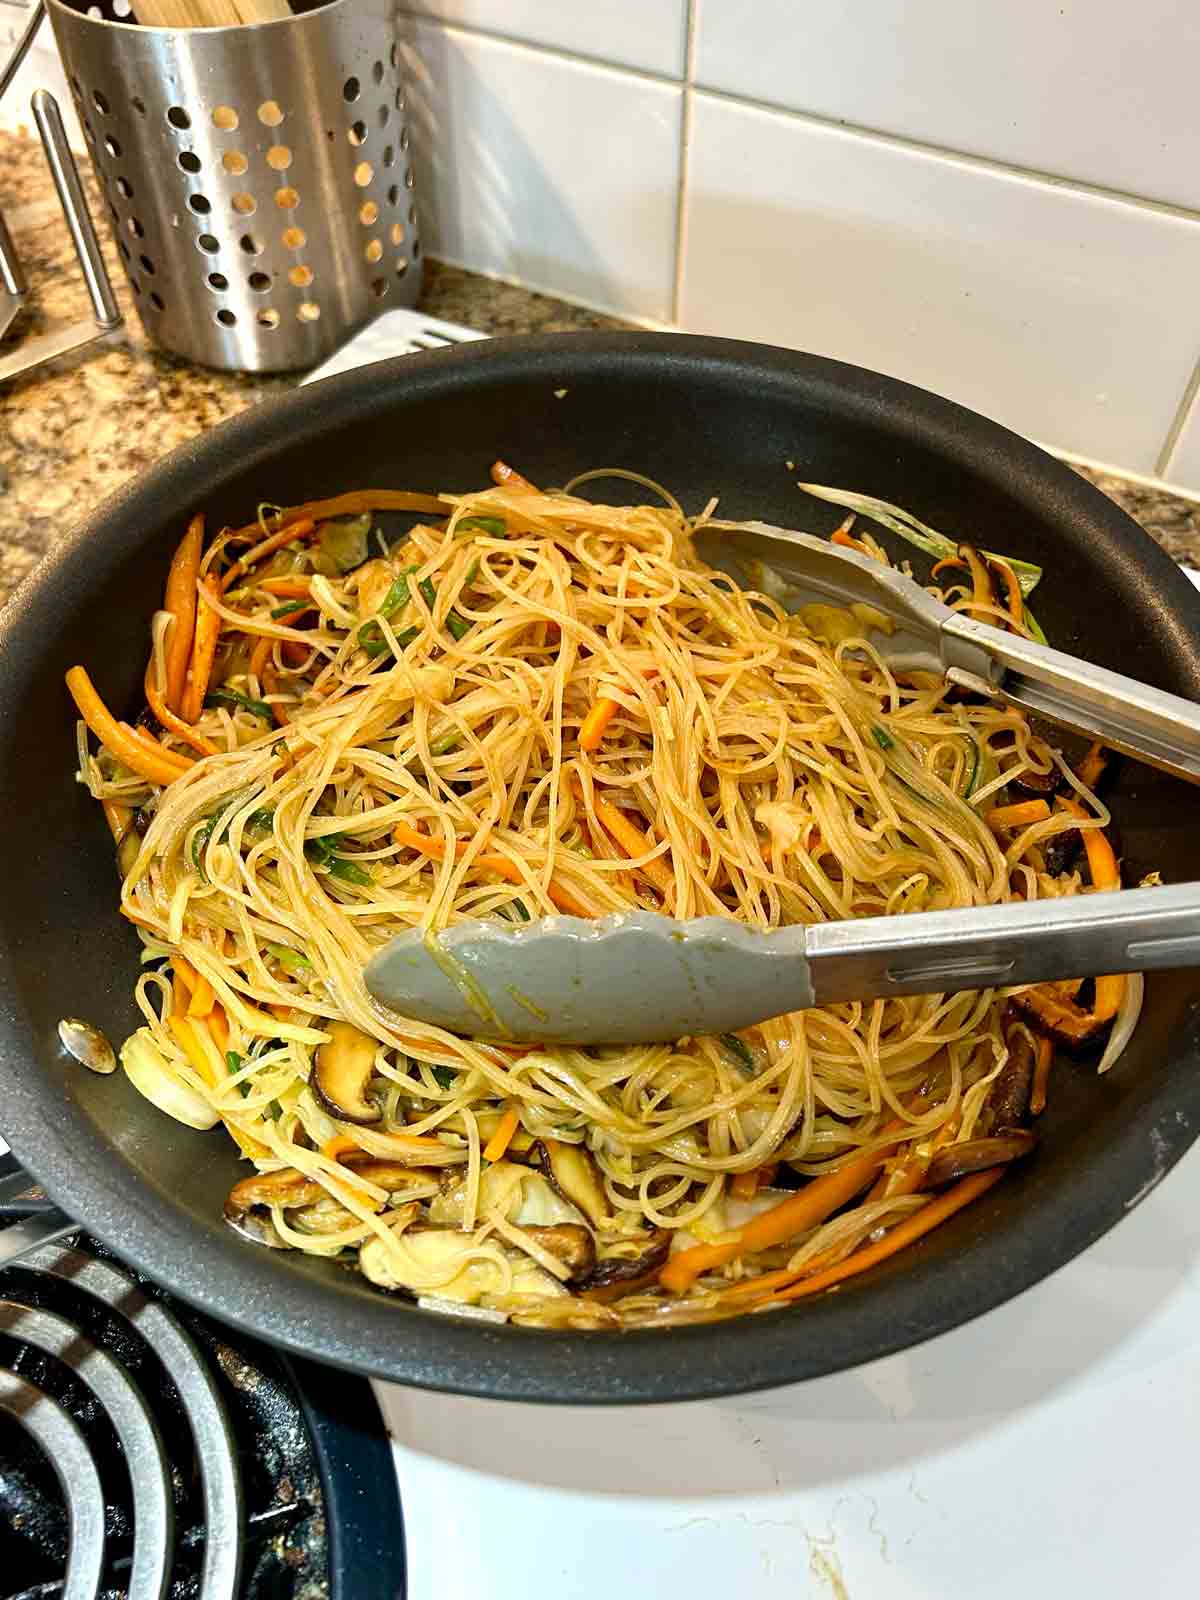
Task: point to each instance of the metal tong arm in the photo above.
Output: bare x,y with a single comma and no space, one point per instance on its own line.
1156,727
1131,930
75,209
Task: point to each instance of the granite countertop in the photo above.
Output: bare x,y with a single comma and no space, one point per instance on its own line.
74,430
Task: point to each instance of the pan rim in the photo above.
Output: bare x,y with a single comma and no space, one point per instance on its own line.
360,1331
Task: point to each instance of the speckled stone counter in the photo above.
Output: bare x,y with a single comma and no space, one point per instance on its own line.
74,430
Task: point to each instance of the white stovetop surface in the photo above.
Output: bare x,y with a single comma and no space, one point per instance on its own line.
1049,1449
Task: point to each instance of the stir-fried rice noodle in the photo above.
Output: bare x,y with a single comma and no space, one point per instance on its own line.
429,768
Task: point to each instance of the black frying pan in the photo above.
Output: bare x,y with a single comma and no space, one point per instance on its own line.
703,416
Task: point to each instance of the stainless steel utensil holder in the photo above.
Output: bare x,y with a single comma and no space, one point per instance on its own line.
258,179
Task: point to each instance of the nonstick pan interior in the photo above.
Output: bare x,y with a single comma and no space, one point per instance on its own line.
704,417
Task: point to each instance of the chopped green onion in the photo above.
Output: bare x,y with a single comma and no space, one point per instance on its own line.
200,842
323,852
263,818
740,1051
496,526
293,606
444,1076
427,592
882,737
471,573
233,1063
458,626
445,745
349,871
225,696
290,960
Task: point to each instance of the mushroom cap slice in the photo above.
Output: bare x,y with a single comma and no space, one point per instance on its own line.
341,1073
577,1178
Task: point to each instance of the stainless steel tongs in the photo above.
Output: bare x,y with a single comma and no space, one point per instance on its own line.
641,977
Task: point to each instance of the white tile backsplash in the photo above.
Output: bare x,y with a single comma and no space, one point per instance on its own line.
41,69
1098,90
648,34
549,152
1070,317
1183,467
561,174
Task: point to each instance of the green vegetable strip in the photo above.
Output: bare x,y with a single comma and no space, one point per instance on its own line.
225,696
914,532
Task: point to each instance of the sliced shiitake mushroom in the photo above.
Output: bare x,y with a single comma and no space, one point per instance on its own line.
284,1188
1056,1015
618,1275
290,1188
1061,851
576,1177
976,1155
341,1073
569,1243
438,1261
257,1227
1008,1098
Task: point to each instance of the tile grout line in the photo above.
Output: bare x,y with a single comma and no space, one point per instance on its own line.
1178,422
814,119
685,151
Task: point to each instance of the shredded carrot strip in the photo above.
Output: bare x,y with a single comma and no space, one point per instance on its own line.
508,477
1102,861
591,734
981,583
118,817
287,588
176,725
260,655
1041,1075
899,1237
218,1026
339,1146
947,564
352,504
634,843
203,1000
161,767
843,537
805,1209
181,988
204,649
1091,769
494,1149
182,1029
1017,816
434,846
298,529
148,742
906,1178
1110,991
180,601
1014,599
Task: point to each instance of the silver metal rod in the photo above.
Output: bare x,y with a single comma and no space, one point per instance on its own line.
23,1238
75,208
1132,930
21,49
1162,729
11,276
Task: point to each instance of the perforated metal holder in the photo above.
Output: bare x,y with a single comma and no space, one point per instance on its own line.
258,179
